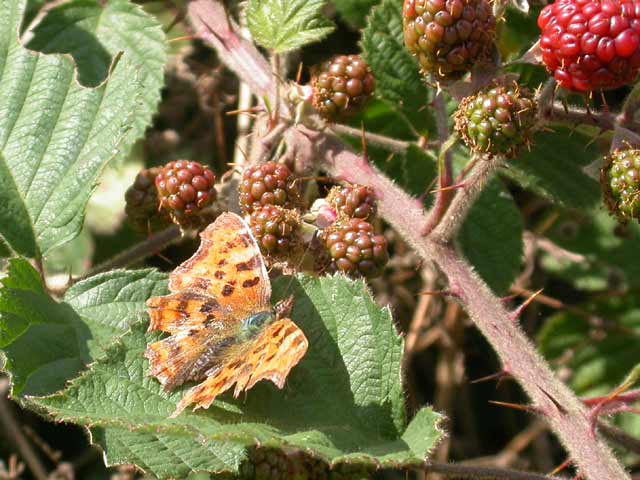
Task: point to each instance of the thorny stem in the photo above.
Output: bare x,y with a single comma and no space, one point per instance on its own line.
483,473
464,199
391,144
142,250
565,413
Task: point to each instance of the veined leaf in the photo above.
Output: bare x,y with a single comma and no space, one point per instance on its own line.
283,25
342,403
56,135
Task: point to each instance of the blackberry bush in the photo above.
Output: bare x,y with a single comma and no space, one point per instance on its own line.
268,184
355,249
277,229
620,179
341,86
448,37
353,201
497,121
184,190
591,45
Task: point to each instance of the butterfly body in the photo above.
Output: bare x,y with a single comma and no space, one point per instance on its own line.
219,317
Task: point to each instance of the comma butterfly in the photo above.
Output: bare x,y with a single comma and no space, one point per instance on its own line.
223,329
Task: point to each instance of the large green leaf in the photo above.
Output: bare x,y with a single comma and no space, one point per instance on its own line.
45,342
283,25
491,237
354,12
397,79
56,135
555,166
343,402
606,254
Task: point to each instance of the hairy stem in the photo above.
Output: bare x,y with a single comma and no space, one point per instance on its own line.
142,250
391,144
565,413
464,199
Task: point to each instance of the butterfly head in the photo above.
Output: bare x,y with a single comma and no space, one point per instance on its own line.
251,325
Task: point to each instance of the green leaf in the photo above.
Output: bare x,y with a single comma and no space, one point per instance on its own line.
354,12
605,255
343,402
554,168
491,237
55,135
46,343
398,81
283,25
414,171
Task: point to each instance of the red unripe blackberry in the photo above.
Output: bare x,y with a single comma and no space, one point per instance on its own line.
276,229
341,86
448,37
591,44
620,180
498,121
355,249
267,184
185,189
353,201
142,205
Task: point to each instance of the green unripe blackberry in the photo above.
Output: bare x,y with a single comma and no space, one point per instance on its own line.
620,179
142,204
270,183
276,229
185,189
448,37
498,121
341,86
355,249
353,201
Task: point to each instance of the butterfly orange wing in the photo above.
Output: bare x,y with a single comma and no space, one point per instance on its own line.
271,356
224,282
228,266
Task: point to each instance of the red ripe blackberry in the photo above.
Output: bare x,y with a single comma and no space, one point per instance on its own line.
591,44
142,202
353,201
267,184
355,249
620,180
185,189
448,37
341,86
276,229
498,121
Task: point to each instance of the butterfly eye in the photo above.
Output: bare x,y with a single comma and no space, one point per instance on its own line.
252,324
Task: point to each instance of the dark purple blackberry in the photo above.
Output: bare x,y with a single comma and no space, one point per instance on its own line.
353,201
276,229
268,184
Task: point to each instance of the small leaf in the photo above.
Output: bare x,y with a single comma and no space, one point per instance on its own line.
398,81
554,168
283,25
343,402
55,135
491,237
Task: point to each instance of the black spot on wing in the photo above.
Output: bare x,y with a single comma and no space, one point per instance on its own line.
211,305
250,264
201,283
219,274
227,290
250,283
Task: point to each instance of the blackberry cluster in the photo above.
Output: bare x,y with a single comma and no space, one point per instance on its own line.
341,86
185,189
620,179
448,37
142,202
591,45
355,249
276,229
268,184
353,201
498,121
